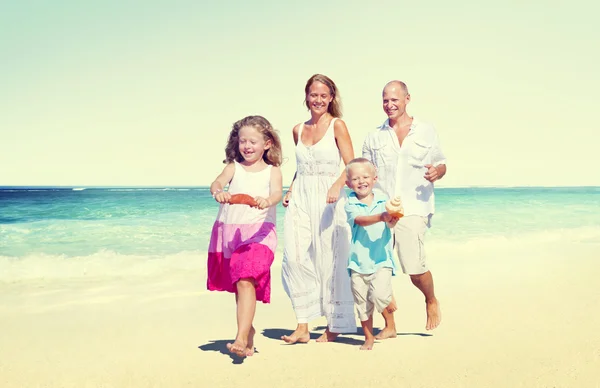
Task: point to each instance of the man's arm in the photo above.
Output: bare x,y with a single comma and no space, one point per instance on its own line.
437,169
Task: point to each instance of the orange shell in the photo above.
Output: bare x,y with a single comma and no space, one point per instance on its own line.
242,199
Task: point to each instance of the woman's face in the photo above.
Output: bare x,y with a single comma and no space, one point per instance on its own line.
318,98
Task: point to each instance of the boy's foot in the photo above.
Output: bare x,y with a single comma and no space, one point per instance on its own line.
238,347
386,333
368,345
250,345
434,314
298,336
327,336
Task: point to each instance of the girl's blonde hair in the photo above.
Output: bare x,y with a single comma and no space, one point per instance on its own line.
335,106
271,156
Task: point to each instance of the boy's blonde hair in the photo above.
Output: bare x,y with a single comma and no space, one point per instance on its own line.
356,161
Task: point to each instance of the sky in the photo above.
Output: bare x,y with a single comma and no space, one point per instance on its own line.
132,93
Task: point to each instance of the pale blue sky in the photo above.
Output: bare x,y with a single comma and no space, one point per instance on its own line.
144,93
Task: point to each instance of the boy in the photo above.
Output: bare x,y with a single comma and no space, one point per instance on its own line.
371,264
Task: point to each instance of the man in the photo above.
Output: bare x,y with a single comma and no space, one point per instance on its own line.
409,159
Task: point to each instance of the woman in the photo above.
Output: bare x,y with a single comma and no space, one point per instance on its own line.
316,233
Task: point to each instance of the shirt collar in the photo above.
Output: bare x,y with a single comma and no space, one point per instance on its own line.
386,124
378,197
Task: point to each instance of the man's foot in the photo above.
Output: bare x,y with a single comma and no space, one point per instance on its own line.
386,333
298,336
250,345
368,345
434,314
238,347
327,336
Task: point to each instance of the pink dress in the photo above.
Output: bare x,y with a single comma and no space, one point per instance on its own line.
243,239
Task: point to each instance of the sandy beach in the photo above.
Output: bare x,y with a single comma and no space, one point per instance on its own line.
514,315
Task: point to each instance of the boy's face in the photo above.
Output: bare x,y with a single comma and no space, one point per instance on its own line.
361,178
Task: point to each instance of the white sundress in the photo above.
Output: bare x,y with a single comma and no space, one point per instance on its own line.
317,239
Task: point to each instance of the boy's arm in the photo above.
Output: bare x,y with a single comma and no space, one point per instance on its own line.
372,219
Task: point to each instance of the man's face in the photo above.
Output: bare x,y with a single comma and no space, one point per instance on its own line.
395,101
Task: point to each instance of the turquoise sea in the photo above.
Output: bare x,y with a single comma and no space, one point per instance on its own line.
44,225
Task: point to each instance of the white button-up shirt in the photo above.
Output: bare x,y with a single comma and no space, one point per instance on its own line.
401,170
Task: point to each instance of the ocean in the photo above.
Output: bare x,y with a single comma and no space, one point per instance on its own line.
63,231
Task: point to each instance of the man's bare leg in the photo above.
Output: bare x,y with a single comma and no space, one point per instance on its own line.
424,282
300,335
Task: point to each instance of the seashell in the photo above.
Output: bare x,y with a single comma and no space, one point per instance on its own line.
394,207
242,199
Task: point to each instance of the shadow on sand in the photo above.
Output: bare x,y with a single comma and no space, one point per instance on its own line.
359,331
277,333
221,346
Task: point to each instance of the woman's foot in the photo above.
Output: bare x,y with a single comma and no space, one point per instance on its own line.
328,336
300,335
250,345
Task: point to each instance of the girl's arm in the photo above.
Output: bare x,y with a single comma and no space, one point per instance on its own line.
344,144
216,188
288,194
275,189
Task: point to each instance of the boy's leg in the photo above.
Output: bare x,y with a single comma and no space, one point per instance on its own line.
381,292
389,331
364,308
367,327
246,307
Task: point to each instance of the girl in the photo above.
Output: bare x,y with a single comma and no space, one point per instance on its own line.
243,238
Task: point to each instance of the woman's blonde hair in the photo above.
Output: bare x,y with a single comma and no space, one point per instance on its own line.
271,156
335,106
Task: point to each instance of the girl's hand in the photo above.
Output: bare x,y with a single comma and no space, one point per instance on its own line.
262,203
286,198
222,197
333,193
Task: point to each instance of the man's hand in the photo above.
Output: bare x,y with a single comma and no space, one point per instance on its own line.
432,173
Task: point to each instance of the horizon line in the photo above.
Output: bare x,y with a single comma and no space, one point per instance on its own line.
285,186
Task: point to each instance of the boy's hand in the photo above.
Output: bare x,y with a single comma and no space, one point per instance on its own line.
262,203
392,222
222,197
386,217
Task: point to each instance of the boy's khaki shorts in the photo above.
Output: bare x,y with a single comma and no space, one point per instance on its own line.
371,291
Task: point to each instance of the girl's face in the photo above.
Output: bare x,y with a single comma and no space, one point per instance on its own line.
318,97
252,144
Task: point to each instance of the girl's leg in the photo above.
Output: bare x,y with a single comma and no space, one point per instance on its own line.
246,307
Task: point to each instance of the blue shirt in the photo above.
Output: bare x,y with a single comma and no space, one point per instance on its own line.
371,247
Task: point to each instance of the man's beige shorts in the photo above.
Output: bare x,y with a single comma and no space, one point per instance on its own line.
373,290
409,234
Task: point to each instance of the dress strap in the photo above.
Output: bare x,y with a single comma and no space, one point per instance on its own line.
330,130
300,128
